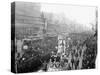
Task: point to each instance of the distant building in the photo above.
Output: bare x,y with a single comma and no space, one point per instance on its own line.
28,20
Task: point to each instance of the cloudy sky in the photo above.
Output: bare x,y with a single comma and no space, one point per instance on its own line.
81,14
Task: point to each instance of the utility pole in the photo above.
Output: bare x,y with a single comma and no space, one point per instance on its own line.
44,25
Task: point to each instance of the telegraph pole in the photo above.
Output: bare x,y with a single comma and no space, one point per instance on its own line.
44,24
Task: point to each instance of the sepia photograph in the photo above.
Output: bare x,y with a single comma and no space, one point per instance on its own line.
49,37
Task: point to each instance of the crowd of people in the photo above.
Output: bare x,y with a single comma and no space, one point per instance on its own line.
43,56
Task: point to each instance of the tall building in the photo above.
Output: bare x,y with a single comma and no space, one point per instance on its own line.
28,20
